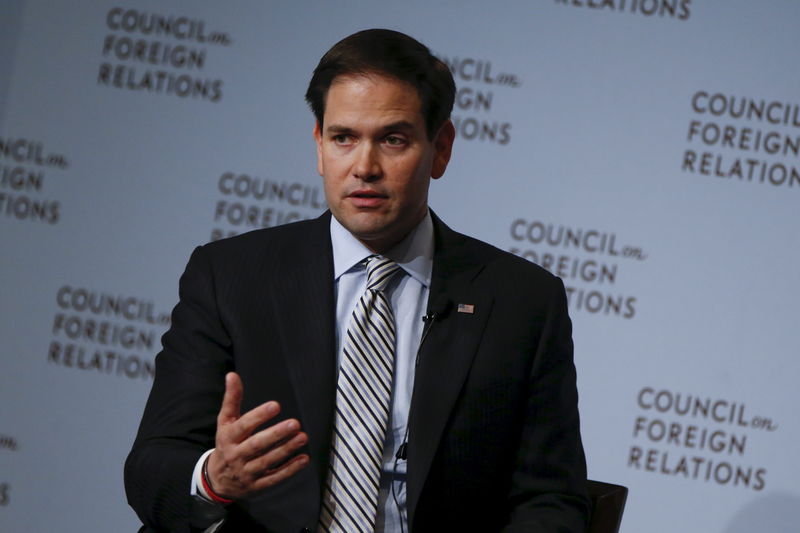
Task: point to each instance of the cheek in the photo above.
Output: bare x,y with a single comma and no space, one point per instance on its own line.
331,190
335,167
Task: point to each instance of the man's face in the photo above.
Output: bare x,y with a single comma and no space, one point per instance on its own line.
375,158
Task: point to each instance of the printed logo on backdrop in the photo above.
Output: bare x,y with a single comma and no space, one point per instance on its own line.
24,164
250,202
588,260
7,443
105,333
698,438
478,84
162,54
675,9
743,139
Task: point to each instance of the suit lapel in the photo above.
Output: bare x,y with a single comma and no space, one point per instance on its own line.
305,311
306,315
447,352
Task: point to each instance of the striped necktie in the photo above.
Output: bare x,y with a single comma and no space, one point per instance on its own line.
363,396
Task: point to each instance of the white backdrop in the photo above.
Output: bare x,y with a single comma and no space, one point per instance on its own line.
644,150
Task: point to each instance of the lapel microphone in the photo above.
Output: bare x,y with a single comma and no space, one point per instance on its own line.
436,311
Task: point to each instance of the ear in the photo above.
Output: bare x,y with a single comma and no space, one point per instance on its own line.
318,140
443,146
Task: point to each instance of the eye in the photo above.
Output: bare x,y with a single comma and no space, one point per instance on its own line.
342,139
394,140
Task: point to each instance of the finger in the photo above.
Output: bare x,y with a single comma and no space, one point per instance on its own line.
266,439
248,422
273,460
286,470
232,400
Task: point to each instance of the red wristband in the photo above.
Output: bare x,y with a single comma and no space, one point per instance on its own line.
207,486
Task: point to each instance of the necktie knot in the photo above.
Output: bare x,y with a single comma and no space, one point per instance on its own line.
380,271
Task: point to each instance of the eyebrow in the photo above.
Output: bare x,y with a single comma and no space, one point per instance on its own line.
337,129
401,125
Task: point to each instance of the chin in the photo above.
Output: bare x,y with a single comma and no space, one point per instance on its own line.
368,234
367,224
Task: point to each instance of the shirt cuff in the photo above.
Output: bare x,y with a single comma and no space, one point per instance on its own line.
197,478
205,513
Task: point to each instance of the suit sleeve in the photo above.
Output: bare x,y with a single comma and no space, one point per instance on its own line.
548,491
179,420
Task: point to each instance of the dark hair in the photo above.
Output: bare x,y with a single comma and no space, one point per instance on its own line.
392,54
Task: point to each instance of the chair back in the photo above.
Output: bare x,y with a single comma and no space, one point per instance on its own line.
608,504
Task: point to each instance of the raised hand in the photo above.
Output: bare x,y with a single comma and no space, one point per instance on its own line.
244,462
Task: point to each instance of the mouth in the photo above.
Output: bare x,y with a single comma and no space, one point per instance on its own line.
366,198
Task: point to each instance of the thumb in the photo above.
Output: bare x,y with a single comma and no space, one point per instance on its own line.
232,401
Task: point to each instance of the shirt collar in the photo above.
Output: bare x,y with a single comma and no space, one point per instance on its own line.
414,253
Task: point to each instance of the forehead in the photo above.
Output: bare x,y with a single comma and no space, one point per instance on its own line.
374,95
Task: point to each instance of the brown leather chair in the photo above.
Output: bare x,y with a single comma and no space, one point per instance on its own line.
608,503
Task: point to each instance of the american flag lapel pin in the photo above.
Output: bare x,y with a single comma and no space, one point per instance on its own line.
466,308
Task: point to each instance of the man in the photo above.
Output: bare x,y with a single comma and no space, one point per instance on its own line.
371,369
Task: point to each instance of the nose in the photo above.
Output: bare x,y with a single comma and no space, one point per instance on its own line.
366,166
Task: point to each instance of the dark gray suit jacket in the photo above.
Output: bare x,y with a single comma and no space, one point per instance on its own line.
494,439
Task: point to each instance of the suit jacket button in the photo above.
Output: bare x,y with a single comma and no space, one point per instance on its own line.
305,530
